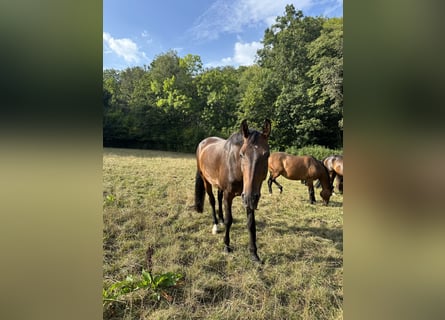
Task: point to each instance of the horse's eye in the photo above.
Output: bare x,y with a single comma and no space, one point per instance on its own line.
241,155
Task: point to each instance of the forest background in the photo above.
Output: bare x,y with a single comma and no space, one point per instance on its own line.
296,82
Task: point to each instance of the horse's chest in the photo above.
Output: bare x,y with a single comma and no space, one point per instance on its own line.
233,185
236,188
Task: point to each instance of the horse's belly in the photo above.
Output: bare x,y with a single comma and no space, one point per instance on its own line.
213,181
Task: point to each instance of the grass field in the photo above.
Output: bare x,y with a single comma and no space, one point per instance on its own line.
147,198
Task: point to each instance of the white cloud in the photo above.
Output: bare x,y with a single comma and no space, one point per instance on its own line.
230,16
125,48
244,54
145,35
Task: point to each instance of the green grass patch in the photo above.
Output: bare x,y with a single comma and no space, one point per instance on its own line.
146,201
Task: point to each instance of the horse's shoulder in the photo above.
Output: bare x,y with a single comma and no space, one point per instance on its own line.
280,155
311,160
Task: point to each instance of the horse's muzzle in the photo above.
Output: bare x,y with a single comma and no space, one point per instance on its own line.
250,200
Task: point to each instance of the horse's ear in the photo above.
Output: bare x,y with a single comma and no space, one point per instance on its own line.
266,128
244,129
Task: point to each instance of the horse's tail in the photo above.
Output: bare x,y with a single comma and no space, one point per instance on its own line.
199,193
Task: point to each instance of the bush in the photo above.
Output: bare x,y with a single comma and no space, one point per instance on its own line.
318,152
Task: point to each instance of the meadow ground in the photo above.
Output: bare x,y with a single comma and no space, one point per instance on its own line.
147,199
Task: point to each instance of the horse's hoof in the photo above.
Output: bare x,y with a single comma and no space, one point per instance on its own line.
227,249
256,259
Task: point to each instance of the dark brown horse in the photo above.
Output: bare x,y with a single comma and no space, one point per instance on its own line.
299,168
236,167
334,164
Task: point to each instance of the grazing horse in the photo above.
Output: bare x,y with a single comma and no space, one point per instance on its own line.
299,168
236,167
334,164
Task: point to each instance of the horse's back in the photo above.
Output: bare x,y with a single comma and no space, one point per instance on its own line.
209,148
290,166
334,163
210,141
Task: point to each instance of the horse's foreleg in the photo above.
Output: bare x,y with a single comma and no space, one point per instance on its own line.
269,184
340,184
220,207
251,226
310,188
228,198
333,175
279,185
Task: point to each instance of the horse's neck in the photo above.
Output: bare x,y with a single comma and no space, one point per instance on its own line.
324,179
232,161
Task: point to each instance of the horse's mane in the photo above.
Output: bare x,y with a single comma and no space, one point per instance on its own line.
325,169
237,139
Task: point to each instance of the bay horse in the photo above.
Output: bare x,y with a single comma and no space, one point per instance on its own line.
235,167
305,168
334,164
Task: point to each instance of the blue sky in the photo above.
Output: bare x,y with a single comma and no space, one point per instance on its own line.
221,32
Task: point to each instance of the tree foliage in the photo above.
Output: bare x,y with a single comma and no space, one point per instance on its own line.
175,102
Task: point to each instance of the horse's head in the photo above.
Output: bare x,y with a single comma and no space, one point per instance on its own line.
326,195
254,154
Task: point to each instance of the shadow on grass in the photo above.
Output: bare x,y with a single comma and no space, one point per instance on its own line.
335,204
296,253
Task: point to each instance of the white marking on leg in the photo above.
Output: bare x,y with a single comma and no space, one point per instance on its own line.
215,229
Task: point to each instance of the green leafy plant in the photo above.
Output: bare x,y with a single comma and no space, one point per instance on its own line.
156,284
109,199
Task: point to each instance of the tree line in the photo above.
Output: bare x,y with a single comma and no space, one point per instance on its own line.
296,82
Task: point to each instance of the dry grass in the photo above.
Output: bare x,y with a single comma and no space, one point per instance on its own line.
147,195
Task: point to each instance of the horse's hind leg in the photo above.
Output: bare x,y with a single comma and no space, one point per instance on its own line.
212,204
